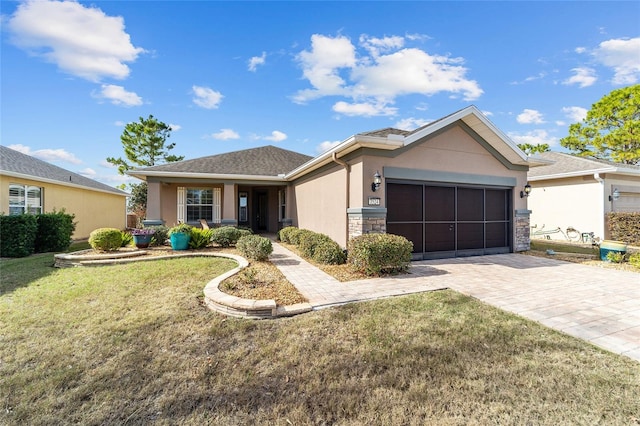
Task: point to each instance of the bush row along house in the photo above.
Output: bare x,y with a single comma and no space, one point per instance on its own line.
30,185
453,187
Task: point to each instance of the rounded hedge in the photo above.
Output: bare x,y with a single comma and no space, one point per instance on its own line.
225,236
329,253
309,241
105,239
255,247
373,254
284,234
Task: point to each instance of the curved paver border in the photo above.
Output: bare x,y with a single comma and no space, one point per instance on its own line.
214,298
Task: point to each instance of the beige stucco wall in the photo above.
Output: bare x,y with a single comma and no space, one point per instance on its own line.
321,203
92,209
453,151
574,202
581,202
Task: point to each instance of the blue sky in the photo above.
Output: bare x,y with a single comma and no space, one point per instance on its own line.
298,75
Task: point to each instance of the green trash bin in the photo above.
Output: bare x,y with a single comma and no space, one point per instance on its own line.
608,246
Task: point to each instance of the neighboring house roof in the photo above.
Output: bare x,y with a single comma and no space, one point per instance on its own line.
16,164
266,161
567,165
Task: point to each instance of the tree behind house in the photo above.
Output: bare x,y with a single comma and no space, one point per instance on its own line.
145,145
611,130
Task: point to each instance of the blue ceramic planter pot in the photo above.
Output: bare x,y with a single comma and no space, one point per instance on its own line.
142,241
180,241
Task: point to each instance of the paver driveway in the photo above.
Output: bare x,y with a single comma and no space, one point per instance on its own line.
599,305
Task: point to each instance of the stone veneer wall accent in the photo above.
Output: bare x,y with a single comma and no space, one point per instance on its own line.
523,230
366,220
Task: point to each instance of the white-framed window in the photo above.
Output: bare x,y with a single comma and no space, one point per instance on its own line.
282,204
199,203
24,199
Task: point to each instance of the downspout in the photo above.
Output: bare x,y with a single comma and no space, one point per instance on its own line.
600,180
347,188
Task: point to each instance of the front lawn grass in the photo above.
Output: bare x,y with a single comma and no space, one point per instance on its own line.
133,344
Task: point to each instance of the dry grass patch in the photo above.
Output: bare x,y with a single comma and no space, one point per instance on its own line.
262,280
133,344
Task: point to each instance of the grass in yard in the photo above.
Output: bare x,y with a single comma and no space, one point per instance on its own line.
133,344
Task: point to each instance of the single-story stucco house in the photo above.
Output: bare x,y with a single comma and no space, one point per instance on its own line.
30,185
452,187
577,192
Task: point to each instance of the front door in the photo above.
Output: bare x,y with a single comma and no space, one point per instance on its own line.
261,216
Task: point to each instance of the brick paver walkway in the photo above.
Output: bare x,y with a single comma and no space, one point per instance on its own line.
599,305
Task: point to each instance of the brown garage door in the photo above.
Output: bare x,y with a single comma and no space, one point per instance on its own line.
450,221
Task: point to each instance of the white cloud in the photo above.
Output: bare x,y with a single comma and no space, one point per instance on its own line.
411,123
326,146
383,70
276,136
623,55
49,155
107,165
117,95
530,116
175,127
225,134
375,46
583,77
206,97
580,49
363,109
81,41
257,60
535,137
88,172
119,123
575,113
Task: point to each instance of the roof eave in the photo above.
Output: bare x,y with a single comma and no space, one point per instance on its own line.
605,170
347,146
144,174
61,183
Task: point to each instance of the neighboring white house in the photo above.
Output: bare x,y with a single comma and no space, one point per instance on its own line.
577,192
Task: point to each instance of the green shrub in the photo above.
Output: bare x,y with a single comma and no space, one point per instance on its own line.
127,238
330,253
182,228
634,259
225,236
616,257
243,232
54,231
284,234
105,239
160,236
200,238
296,236
309,241
255,247
624,226
18,235
373,254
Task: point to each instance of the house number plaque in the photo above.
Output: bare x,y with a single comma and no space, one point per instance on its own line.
374,201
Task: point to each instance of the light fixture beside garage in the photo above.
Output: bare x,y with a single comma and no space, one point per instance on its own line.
615,196
526,191
377,180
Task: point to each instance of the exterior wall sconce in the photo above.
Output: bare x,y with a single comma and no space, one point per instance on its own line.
615,196
525,191
377,180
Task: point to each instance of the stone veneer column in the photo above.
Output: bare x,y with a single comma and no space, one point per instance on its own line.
523,230
366,220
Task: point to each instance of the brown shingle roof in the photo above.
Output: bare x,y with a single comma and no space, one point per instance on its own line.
383,133
262,161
